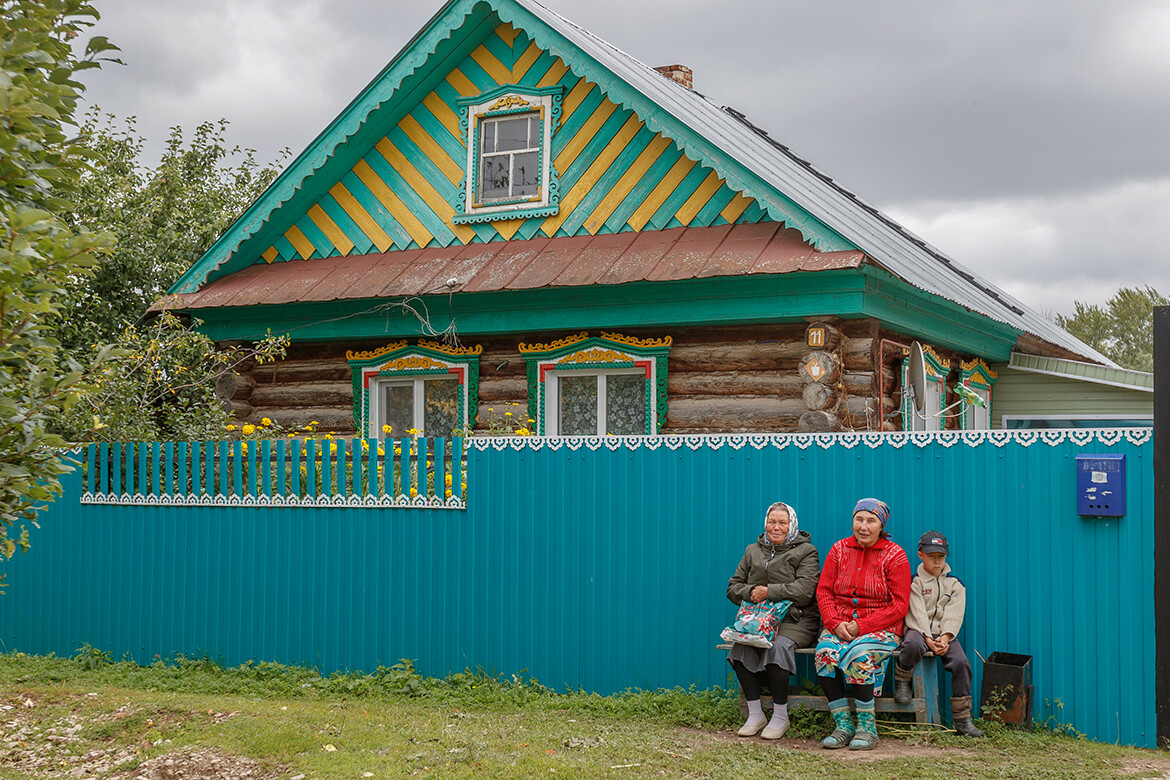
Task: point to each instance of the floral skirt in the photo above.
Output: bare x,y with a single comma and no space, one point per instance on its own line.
862,661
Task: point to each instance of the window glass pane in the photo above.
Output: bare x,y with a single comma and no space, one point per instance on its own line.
533,132
493,181
489,136
440,407
526,178
625,404
397,408
578,412
512,134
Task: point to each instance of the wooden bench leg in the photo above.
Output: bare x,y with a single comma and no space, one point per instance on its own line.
928,692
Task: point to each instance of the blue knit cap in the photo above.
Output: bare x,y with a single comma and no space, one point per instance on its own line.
879,508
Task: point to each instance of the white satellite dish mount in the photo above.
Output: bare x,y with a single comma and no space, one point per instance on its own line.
916,380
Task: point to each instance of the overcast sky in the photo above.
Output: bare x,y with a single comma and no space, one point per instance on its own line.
1029,140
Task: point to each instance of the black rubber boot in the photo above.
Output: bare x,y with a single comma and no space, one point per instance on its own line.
903,692
961,713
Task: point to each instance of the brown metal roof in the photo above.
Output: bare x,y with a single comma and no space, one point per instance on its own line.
661,255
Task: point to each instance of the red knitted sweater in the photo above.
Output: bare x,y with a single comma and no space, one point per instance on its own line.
869,584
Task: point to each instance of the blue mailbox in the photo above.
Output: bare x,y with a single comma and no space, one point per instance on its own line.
1101,485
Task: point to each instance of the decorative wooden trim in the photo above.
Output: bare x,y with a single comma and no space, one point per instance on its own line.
607,351
426,358
552,345
373,354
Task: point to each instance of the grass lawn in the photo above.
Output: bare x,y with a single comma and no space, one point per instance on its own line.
86,717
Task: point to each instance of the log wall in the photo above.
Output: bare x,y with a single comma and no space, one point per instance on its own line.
719,380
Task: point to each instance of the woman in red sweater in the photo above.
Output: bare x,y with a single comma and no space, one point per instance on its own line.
863,595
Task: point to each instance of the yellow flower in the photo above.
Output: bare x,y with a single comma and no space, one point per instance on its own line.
333,448
413,492
507,414
248,429
447,479
531,420
387,429
523,432
365,445
328,436
231,427
412,431
448,492
292,435
266,421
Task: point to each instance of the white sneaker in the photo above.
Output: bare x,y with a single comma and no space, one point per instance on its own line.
753,726
776,732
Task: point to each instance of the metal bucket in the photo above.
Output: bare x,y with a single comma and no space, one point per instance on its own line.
1007,689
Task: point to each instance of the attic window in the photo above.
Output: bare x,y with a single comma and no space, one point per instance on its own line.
509,171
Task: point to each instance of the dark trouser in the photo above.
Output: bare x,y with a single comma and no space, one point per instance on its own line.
835,688
955,661
750,682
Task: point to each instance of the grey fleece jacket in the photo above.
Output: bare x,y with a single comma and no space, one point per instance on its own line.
937,604
791,572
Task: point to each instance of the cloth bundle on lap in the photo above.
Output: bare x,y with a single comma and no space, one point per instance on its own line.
756,624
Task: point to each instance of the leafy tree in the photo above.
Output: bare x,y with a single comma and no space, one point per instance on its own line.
40,254
1123,330
159,384
163,217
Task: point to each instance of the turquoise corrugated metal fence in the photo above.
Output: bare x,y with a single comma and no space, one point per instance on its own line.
602,563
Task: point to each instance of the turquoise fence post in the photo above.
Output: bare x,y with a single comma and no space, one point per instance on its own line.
311,467
423,467
327,450
104,468
342,460
116,470
130,480
143,469
266,466
404,467
90,476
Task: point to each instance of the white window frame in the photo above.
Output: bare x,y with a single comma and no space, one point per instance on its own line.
978,418
419,403
502,103
552,410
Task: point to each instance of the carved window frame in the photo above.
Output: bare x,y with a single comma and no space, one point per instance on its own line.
398,360
582,354
978,377
937,369
505,101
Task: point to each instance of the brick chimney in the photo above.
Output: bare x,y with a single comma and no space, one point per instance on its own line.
680,73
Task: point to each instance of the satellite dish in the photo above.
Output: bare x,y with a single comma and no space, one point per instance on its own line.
916,378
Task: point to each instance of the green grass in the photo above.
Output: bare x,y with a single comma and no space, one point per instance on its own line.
392,724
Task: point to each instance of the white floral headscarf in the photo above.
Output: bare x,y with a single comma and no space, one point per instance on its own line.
793,526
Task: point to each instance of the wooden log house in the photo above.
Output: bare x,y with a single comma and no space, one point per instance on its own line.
517,223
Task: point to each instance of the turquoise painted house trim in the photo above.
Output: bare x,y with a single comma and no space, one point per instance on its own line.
852,294
444,45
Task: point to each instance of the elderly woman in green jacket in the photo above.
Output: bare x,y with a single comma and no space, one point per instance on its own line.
782,565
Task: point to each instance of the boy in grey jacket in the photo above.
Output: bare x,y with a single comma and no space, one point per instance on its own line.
937,602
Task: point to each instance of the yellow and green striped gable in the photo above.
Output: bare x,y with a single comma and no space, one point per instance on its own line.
389,172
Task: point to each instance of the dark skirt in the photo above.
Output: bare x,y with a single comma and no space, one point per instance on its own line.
782,653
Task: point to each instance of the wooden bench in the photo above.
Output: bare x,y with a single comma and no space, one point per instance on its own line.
924,705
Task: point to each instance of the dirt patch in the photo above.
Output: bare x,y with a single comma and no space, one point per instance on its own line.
199,765
1154,766
37,738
